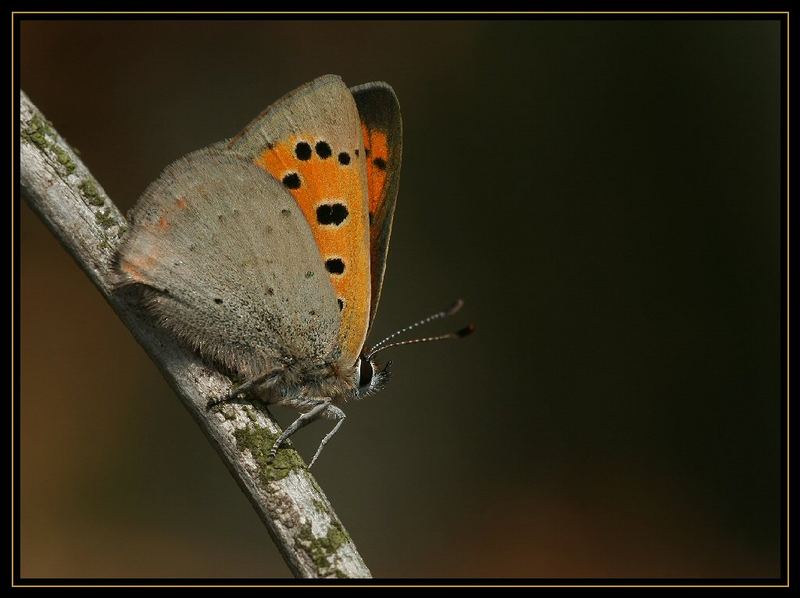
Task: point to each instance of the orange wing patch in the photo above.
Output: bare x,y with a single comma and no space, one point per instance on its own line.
135,268
376,147
326,183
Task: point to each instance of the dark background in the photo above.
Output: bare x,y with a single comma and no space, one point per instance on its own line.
605,195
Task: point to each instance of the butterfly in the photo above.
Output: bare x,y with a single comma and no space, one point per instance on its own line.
266,253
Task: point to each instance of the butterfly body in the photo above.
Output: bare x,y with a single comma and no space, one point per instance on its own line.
266,253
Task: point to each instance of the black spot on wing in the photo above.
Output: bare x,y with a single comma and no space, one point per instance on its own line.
323,149
303,151
291,181
334,213
334,265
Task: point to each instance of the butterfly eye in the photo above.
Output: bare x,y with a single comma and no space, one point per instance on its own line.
365,372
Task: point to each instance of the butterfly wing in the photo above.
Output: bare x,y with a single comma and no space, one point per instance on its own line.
382,129
311,141
230,264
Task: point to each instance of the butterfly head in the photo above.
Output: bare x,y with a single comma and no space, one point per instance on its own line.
369,375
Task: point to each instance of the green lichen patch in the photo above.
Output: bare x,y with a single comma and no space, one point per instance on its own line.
250,415
121,231
89,191
227,411
323,550
105,219
64,159
259,441
38,132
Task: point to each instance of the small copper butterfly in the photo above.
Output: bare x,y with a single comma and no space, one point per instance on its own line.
266,253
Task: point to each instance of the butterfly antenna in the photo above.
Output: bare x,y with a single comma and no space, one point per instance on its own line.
459,303
466,331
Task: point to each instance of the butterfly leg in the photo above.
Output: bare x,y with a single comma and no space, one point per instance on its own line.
332,412
243,388
304,419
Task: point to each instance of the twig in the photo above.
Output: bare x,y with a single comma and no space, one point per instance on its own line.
286,496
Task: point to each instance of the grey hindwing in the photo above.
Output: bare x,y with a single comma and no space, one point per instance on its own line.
379,109
230,264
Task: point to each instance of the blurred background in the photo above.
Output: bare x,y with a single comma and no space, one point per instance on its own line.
605,196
